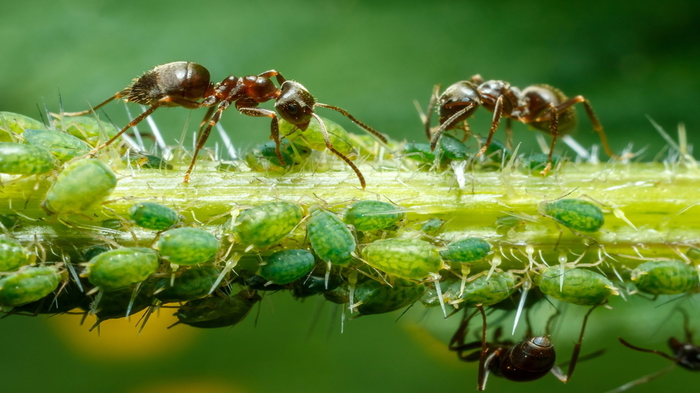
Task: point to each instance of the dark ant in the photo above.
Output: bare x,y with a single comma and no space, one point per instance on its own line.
524,361
685,354
184,83
542,106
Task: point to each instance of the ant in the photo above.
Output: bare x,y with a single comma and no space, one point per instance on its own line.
188,84
542,106
523,361
685,354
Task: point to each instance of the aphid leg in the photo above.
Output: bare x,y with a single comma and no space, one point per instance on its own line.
364,126
100,105
556,370
448,124
330,147
497,113
554,131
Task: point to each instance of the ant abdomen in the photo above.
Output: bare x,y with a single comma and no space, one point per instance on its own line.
528,360
539,98
182,79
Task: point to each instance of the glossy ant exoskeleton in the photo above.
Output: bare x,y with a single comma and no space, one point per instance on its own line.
541,106
184,83
685,354
524,361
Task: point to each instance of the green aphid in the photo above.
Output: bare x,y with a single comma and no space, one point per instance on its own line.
378,298
665,277
61,300
266,224
28,285
497,150
337,295
81,186
10,221
419,152
291,152
286,266
580,286
406,258
432,226
113,223
485,290
151,215
314,285
330,238
114,304
576,214
87,128
187,246
147,161
693,253
20,159
453,148
121,268
216,311
12,255
14,123
466,250
537,162
63,146
313,137
90,252
193,283
227,167
372,215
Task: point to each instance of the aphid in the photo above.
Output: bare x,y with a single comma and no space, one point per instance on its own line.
665,277
313,137
466,250
119,304
63,146
266,224
330,238
373,215
485,291
12,255
580,286
88,129
217,311
286,266
28,285
151,215
188,84
536,163
419,152
192,283
541,106
121,268
62,300
14,123
19,159
693,253
575,214
313,285
292,153
405,258
187,246
373,297
432,226
90,252
146,161
80,186
524,361
10,221
452,148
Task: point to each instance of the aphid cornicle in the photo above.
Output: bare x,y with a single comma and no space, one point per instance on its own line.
121,268
330,238
151,215
20,159
28,285
373,215
286,266
405,258
576,214
12,255
580,286
187,246
80,186
665,277
266,224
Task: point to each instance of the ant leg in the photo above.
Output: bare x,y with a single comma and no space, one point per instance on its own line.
430,109
100,105
206,118
274,126
132,123
686,325
204,135
457,340
467,130
483,371
628,345
364,126
574,356
497,112
643,379
447,124
330,147
509,133
554,131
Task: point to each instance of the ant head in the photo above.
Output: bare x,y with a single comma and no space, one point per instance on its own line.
295,104
687,354
457,97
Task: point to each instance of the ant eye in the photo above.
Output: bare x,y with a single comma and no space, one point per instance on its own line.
292,109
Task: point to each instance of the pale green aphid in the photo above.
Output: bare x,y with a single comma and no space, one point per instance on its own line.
151,215
87,128
187,246
581,286
82,185
28,285
665,277
485,290
313,137
12,255
373,297
14,123
576,214
216,311
466,250
266,224
287,266
193,283
330,238
693,253
432,226
406,258
372,215
63,146
20,159
121,268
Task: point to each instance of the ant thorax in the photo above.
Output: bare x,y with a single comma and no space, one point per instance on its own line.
513,101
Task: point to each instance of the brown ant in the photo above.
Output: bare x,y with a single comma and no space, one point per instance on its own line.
184,83
524,361
542,106
685,354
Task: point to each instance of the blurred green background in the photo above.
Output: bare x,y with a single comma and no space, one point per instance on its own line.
372,58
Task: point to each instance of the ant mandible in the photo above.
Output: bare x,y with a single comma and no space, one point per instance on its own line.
524,361
542,106
184,83
685,354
